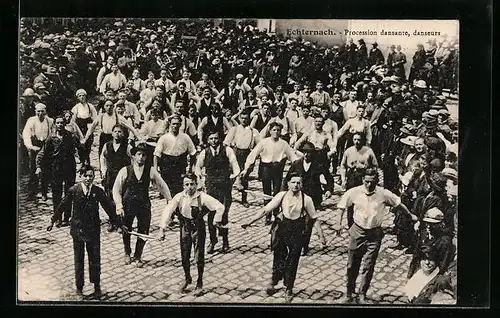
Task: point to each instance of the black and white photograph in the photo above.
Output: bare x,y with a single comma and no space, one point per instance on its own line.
238,161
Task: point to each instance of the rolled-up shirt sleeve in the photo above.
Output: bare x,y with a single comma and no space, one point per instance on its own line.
213,204
275,202
160,183
309,207
159,147
27,133
391,199
118,186
345,200
169,210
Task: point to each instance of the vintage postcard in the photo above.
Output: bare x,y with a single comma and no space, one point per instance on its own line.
238,161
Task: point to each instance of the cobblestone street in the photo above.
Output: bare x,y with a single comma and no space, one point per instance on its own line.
46,266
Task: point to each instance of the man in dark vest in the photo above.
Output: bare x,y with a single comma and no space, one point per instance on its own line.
84,198
213,122
287,239
131,196
58,156
230,96
191,206
221,168
115,155
313,176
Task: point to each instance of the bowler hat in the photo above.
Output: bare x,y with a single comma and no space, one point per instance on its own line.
139,147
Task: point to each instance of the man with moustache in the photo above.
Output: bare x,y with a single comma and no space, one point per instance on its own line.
369,202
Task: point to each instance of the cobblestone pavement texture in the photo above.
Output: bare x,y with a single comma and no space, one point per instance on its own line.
46,265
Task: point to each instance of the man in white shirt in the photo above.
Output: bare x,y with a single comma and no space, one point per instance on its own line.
221,168
288,235
350,105
243,139
171,155
191,206
131,196
165,81
37,129
273,152
114,80
369,203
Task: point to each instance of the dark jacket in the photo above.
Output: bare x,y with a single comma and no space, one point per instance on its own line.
311,184
85,222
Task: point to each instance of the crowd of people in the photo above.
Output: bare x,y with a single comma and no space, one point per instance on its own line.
191,107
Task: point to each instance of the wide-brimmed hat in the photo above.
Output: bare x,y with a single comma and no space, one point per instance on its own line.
139,147
433,215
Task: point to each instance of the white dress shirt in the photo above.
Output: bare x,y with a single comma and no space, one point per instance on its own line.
369,208
184,202
271,151
291,205
242,137
171,145
34,127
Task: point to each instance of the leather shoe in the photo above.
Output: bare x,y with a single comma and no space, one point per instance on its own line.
186,283
288,296
97,293
127,259
211,248
246,204
348,300
65,223
198,291
139,263
270,290
268,222
225,248
59,223
79,294
363,300
111,228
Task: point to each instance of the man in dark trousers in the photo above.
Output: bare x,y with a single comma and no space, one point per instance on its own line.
115,155
131,196
313,176
289,226
191,206
221,168
58,156
369,203
84,198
